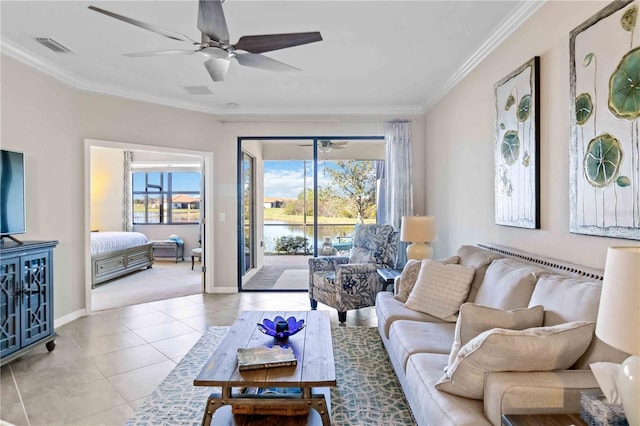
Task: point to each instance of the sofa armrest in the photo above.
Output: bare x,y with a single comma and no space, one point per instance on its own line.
326,263
535,392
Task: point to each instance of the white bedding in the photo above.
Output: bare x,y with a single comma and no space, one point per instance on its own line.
104,242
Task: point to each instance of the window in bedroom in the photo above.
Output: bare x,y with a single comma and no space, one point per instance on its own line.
166,198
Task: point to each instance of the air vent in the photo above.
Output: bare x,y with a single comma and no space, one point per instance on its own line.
53,45
198,90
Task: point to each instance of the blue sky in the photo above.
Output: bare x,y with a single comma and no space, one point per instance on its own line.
181,181
285,179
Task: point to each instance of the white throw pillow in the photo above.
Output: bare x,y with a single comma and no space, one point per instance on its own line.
409,276
534,349
474,319
440,289
508,284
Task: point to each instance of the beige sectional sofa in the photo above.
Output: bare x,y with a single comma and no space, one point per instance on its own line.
507,285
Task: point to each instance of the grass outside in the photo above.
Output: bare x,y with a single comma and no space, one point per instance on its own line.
277,214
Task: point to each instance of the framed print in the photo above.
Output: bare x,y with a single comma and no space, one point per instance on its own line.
516,158
605,111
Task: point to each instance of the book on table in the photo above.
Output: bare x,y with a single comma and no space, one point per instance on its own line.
265,357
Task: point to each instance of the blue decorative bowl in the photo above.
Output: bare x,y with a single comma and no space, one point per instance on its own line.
280,328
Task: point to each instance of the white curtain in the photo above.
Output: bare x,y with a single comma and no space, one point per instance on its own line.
398,186
127,218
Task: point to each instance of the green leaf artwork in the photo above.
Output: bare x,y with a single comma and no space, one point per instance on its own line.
510,101
526,159
628,20
602,160
502,127
584,108
587,60
510,147
624,87
623,181
524,108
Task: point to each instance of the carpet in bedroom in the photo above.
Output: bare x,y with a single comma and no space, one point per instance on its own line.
166,280
368,392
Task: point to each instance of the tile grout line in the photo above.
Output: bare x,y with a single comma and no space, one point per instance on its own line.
15,384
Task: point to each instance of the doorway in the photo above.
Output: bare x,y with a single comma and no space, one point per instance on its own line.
300,205
167,214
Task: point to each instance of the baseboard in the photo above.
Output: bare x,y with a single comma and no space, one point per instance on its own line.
224,290
59,322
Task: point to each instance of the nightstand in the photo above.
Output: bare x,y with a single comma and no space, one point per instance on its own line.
542,419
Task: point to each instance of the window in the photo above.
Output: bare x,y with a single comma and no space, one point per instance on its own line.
166,197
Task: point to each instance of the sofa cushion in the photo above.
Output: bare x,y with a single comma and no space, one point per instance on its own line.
534,349
411,337
474,319
479,259
440,289
574,299
407,280
508,284
433,407
390,310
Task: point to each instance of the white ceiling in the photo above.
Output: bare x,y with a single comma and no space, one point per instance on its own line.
377,57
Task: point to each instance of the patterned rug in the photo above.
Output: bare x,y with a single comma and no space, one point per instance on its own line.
368,392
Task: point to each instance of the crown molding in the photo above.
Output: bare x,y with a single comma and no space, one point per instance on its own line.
504,30
509,25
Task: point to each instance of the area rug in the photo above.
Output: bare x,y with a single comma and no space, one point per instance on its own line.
293,279
368,392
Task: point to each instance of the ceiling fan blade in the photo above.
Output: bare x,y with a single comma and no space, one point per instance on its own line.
263,62
217,68
162,53
154,28
267,43
211,20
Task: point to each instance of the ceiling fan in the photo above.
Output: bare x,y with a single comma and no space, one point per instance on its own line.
215,45
325,145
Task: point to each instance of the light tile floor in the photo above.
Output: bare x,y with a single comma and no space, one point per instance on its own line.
106,364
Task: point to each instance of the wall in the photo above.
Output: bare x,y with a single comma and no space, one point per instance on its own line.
49,121
107,180
459,134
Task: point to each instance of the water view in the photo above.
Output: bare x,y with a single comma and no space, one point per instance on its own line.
276,229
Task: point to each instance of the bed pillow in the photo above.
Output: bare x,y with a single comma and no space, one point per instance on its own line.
534,349
407,280
474,319
440,289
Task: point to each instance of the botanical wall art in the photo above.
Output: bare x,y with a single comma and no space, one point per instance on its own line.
605,111
517,201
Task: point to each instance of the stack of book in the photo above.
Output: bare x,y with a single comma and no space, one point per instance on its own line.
265,357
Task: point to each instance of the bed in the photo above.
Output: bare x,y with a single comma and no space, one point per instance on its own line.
114,254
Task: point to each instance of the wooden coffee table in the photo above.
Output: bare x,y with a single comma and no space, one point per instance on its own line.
315,368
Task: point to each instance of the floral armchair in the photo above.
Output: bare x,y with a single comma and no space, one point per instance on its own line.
352,282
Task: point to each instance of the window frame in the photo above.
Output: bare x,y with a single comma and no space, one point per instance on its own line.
165,194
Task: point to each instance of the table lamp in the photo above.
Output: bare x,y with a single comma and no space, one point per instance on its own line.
618,321
419,231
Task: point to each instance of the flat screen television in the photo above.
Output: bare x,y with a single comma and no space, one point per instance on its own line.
12,196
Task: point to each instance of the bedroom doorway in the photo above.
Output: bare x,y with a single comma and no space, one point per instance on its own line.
157,192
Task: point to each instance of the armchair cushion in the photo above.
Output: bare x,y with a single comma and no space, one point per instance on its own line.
374,244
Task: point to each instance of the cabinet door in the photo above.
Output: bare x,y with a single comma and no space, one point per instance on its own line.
9,306
37,306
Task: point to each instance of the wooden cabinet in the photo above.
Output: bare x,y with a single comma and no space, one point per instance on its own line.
26,297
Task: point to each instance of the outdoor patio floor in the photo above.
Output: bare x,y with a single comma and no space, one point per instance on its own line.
274,265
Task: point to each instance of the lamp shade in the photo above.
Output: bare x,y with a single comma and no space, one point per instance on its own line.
619,315
417,229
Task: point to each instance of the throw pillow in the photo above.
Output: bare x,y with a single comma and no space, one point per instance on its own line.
407,280
508,284
440,289
534,349
474,319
